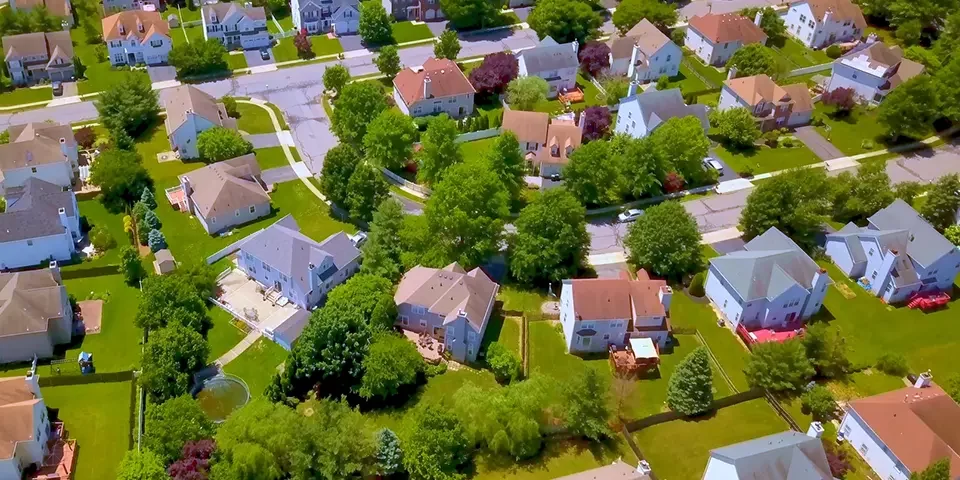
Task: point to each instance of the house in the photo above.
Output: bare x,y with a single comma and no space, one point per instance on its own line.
283,260
41,223
784,456
35,316
617,470
774,106
341,17
448,304
596,313
715,38
24,426
226,194
57,8
872,70
897,254
31,57
563,138
644,54
640,114
415,10
120,5
439,86
46,151
769,285
904,431
529,127
236,26
164,262
821,23
135,36
190,112
557,63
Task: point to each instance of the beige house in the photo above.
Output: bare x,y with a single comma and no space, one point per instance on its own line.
438,86
189,113
135,36
31,57
225,194
35,314
773,106
562,139
46,151
529,127
24,426
644,54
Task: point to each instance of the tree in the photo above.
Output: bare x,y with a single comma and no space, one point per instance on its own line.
663,82
779,367
909,109
893,364
230,105
85,137
942,202
819,402
392,363
585,405
505,159
665,241
199,57
173,423
909,32
129,104
382,250
169,360
837,460
616,87
564,20
770,22
952,387
389,139
367,294
335,77
908,191
388,61
439,149
219,143
120,177
147,198
594,58
754,59
924,56
630,12
507,421
130,265
949,39
330,350
690,390
504,364
842,98
435,445
939,470
681,145
374,27
389,456
156,240
592,176
737,126
857,197
470,14
826,350
169,299
194,462
948,88
358,103
494,73
524,93
643,169
152,220
596,123
141,465
302,43
447,45
366,190
338,166
101,239
696,286
953,234
551,239
795,202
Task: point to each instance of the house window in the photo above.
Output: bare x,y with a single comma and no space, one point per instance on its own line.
668,57
156,43
863,448
873,276
417,309
724,304
471,337
803,19
585,341
33,170
29,243
266,268
253,209
423,323
846,430
871,252
404,320
236,213
470,350
606,336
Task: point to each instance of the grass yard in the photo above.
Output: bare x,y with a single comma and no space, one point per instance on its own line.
257,364
686,81
99,75
189,14
224,335
253,119
591,97
236,61
505,330
711,74
408,32
850,132
186,34
556,459
766,159
476,149
97,215
521,299
710,99
271,157
284,19
547,355
732,355
798,56
117,347
285,51
98,416
26,95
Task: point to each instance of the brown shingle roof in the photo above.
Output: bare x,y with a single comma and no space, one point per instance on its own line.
527,126
181,101
28,301
224,187
52,44
447,291
800,94
34,144
16,414
842,10
762,88
645,35
446,80
58,8
563,135
613,299
132,21
727,27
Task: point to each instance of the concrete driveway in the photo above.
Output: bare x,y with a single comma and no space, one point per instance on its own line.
436,28
728,173
819,145
162,73
351,43
254,60
278,175
263,140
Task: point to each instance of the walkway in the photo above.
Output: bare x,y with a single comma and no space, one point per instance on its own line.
819,145
282,174
238,348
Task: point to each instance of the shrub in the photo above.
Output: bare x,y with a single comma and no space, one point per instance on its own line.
867,144
696,285
85,137
892,364
434,370
101,239
838,461
771,138
230,105
834,51
747,171
504,364
819,402
787,143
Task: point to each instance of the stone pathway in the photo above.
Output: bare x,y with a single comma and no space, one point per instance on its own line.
239,348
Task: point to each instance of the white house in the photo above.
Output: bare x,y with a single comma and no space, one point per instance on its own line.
793,455
46,151
236,26
24,426
190,112
35,316
771,284
898,254
872,70
225,194
715,38
41,223
640,114
773,106
340,17
136,36
644,54
821,23
904,431
439,86
598,312
118,5
554,62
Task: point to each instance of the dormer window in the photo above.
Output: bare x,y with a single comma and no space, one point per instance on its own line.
569,150
140,27
554,151
121,29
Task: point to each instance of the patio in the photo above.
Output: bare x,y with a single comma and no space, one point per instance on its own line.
60,462
430,349
245,299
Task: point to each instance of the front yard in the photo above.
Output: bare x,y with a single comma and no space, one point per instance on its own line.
20,96
404,32
321,45
765,159
271,157
253,119
99,74
853,133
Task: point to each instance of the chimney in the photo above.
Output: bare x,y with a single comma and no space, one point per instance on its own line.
815,430
643,468
33,380
62,212
923,380
634,55
576,47
758,18
827,16
665,295
731,73
120,28
426,86
632,89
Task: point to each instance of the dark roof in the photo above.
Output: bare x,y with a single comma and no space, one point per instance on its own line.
550,55
33,211
658,106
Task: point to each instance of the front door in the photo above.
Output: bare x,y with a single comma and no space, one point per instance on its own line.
131,59
276,285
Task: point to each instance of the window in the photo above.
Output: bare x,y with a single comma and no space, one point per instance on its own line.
668,57
803,19
156,43
404,320
471,336
873,276
266,268
419,310
33,170
423,323
470,350
236,213
585,341
871,252
606,336
724,304
253,209
29,243
810,23
863,448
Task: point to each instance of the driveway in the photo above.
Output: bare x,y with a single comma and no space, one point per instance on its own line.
820,146
522,13
728,173
162,73
351,43
263,140
278,175
436,28
254,60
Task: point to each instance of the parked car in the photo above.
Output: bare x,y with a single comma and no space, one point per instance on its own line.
57,88
630,215
358,239
713,164
555,177
264,54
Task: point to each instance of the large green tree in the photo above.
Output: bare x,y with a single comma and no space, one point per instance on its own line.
856,197
737,127
169,299
448,44
121,177
171,357
374,27
681,144
383,249
388,61
585,405
389,139
909,110
551,238
524,93
335,77
506,160
392,363
439,149
779,367
171,424
199,57
434,444
948,87
356,106
630,12
593,175
141,465
468,14
130,104
939,470
365,191
338,166
795,202
770,22
507,421
665,241
754,59
643,168
690,390
564,20
827,351
220,143
942,203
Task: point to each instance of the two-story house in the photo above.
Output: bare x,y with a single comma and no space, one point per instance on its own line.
793,455
236,26
449,304
644,54
896,255
226,194
529,127
416,10
341,17
439,86
135,36
771,284
283,260
557,63
41,223
57,8
640,114
35,315
714,38
46,151
598,312
31,57
24,426
190,112
821,23
563,137
872,70
110,6
773,106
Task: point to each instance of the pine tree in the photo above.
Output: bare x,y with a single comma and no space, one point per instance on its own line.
152,220
147,198
389,456
156,240
690,390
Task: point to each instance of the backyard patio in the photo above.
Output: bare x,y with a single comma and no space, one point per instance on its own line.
245,299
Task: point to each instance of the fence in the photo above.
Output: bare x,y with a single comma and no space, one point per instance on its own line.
658,418
775,404
76,379
398,180
478,135
223,252
111,269
810,69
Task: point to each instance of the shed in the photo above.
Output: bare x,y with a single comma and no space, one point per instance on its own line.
164,262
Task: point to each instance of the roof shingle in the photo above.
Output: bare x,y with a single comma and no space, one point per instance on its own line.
727,27
446,80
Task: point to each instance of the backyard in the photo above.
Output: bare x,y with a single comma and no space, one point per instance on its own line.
271,157
97,215
117,347
224,335
765,159
686,81
591,97
257,364
714,77
796,55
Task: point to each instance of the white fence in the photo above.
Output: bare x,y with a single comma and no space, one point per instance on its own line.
398,180
810,69
478,135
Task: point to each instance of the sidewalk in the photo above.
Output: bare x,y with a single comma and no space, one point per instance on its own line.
238,348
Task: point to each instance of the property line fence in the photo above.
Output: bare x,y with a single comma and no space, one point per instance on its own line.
811,69
398,180
777,407
71,378
478,135
524,349
658,418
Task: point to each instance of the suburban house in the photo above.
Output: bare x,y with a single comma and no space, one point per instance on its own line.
46,151
788,456
118,5
57,8
225,194
296,267
644,54
770,285
529,127
714,38
415,10
904,431
448,304
598,312
190,112
618,470
41,223
340,17
821,23
872,70
136,36
557,63
897,255
236,26
640,114
438,86
24,426
35,316
773,106
563,137
31,57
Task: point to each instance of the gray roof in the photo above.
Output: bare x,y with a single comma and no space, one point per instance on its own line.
550,55
33,211
658,106
925,245
782,456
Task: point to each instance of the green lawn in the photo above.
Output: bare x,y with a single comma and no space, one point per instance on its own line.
285,51
521,299
99,75
686,81
117,346
798,56
284,18
26,95
591,97
257,364
408,32
224,335
711,74
98,416
505,330
732,355
765,159
556,459
271,157
476,149
548,356
97,215
189,14
183,35
279,114
236,61
253,119
848,132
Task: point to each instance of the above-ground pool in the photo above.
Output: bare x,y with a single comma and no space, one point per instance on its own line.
221,395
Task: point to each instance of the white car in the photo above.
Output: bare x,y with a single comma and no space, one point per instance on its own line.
714,164
630,215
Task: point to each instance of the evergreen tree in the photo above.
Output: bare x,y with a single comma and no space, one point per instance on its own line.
147,198
690,390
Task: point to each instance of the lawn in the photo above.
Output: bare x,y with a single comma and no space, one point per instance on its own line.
849,132
548,356
236,61
271,157
798,56
556,459
117,347
285,51
686,81
521,299
408,32
224,335
98,416
505,330
732,355
253,119
257,364
189,14
476,149
26,95
284,19
99,75
186,34
591,97
765,159
711,74
97,215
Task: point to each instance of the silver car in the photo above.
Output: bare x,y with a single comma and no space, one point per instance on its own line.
630,215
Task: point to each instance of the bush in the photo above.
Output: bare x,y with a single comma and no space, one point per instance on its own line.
101,239
819,402
834,51
747,171
230,105
434,370
696,285
787,143
892,364
867,145
504,364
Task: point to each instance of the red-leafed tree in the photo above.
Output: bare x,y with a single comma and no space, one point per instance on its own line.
85,137
596,122
841,97
673,182
837,459
496,71
594,58
195,462
302,42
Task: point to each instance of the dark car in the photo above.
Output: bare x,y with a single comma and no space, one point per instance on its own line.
264,54
57,88
555,177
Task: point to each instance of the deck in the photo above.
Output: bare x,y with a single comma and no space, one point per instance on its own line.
430,348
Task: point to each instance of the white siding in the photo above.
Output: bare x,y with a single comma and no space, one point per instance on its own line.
665,61
868,446
720,293
709,53
816,32
630,121
33,252
455,106
719,470
59,173
153,51
865,85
